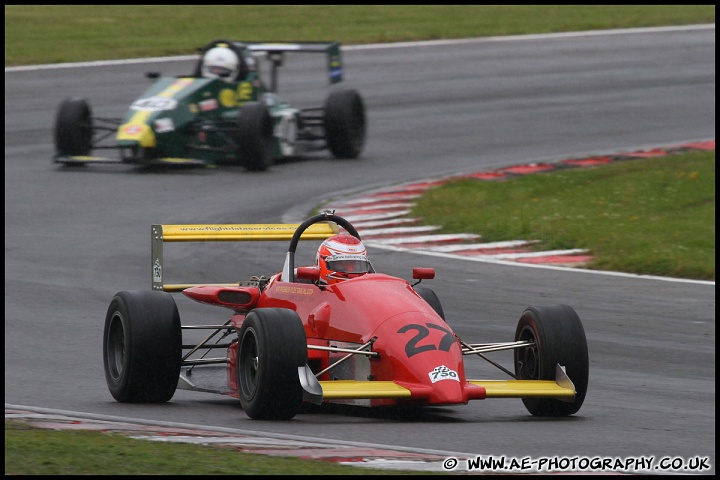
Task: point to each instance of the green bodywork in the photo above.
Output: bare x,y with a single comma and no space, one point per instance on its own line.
191,119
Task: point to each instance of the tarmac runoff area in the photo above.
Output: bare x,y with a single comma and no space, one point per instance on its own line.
381,217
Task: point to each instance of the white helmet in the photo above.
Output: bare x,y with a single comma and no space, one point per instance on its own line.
220,62
340,258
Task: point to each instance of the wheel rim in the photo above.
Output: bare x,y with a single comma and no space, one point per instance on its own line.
248,365
116,347
528,358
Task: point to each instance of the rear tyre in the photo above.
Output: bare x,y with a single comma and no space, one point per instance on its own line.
345,123
255,137
142,347
271,347
73,127
559,339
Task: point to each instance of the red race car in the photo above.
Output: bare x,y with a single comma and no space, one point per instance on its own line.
315,334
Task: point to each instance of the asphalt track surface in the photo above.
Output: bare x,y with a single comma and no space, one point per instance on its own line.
74,237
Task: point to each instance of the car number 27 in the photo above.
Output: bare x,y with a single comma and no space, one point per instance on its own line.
417,343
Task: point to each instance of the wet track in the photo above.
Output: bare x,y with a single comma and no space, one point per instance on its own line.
74,237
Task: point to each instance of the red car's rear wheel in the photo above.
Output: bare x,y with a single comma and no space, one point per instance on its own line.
142,346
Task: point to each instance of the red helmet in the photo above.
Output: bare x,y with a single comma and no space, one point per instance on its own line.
341,257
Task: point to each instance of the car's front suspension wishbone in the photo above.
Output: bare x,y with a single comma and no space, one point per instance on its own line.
350,352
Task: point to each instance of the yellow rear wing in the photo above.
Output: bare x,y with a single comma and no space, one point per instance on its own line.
160,234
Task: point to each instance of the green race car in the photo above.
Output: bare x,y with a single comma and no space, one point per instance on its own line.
223,113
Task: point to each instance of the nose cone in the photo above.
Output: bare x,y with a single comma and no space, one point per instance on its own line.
420,352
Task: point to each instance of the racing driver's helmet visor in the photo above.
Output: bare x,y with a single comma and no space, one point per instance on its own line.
348,263
220,71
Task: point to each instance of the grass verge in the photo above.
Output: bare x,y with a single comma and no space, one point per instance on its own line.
39,34
648,216
34,451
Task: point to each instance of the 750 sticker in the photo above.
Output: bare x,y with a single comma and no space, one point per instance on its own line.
443,373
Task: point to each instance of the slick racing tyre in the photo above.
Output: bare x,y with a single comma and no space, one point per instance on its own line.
142,347
345,123
255,137
271,347
559,339
432,299
73,128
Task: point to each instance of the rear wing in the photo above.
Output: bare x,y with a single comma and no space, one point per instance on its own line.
276,51
161,234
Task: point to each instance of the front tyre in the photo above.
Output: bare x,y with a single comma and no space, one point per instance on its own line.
73,128
271,347
345,123
559,338
254,137
142,347
432,299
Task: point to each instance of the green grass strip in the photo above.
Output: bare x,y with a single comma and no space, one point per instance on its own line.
651,216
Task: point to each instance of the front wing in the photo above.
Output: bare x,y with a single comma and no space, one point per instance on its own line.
562,389
87,159
337,390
